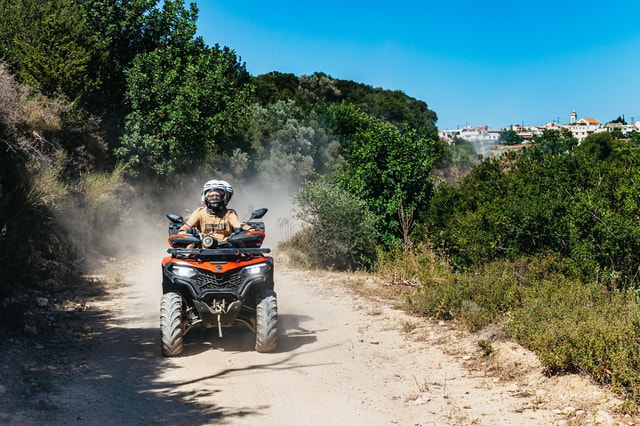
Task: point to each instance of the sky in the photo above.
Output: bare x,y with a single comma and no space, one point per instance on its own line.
474,63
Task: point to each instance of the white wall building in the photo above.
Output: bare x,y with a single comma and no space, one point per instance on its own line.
484,138
585,127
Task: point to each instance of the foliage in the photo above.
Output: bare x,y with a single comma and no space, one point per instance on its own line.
620,120
575,326
123,30
598,146
458,159
385,168
576,202
275,86
287,147
338,232
182,107
32,187
391,106
308,91
555,142
510,137
475,300
99,209
48,45
572,324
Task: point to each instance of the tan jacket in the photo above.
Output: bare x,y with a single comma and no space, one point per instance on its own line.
219,226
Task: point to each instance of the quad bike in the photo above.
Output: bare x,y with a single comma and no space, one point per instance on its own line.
217,284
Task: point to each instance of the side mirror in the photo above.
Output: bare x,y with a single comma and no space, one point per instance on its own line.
257,214
175,218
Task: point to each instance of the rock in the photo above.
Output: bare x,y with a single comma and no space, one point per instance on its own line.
578,383
603,418
422,400
50,285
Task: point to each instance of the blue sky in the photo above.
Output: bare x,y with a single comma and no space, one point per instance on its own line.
474,63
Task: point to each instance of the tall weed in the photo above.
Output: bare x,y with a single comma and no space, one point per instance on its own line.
99,208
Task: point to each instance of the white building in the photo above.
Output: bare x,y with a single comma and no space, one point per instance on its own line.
584,127
472,134
484,138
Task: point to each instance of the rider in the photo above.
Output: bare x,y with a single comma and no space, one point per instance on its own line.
214,218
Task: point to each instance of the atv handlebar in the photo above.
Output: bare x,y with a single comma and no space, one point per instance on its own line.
217,251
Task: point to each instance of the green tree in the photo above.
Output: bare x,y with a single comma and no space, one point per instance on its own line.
184,101
275,86
48,45
556,142
309,91
392,106
596,145
123,29
457,160
620,120
287,146
582,206
510,137
384,167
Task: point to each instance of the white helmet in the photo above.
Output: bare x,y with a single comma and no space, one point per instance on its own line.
221,185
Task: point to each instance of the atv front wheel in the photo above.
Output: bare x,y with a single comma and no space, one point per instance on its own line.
171,324
266,322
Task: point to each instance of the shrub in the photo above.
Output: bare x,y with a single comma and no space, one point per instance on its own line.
572,324
582,327
339,232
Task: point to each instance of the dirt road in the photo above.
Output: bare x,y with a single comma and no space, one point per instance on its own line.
342,360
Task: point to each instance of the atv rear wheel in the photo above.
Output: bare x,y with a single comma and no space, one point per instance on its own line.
171,324
266,321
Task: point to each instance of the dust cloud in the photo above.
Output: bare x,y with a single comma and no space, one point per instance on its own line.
125,238
145,227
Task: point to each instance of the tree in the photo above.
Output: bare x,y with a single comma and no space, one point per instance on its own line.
597,145
620,120
393,106
288,147
582,206
457,160
510,137
123,29
48,45
275,86
556,142
309,91
184,101
384,167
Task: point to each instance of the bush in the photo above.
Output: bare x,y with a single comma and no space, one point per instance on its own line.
338,232
578,327
572,324
474,299
583,206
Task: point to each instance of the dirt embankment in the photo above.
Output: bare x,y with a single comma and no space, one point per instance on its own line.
343,358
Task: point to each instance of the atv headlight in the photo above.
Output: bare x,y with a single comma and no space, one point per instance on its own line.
183,271
260,268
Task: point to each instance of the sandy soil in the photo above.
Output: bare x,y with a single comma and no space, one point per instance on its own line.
343,359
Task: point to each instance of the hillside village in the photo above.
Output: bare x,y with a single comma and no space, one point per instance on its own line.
484,138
